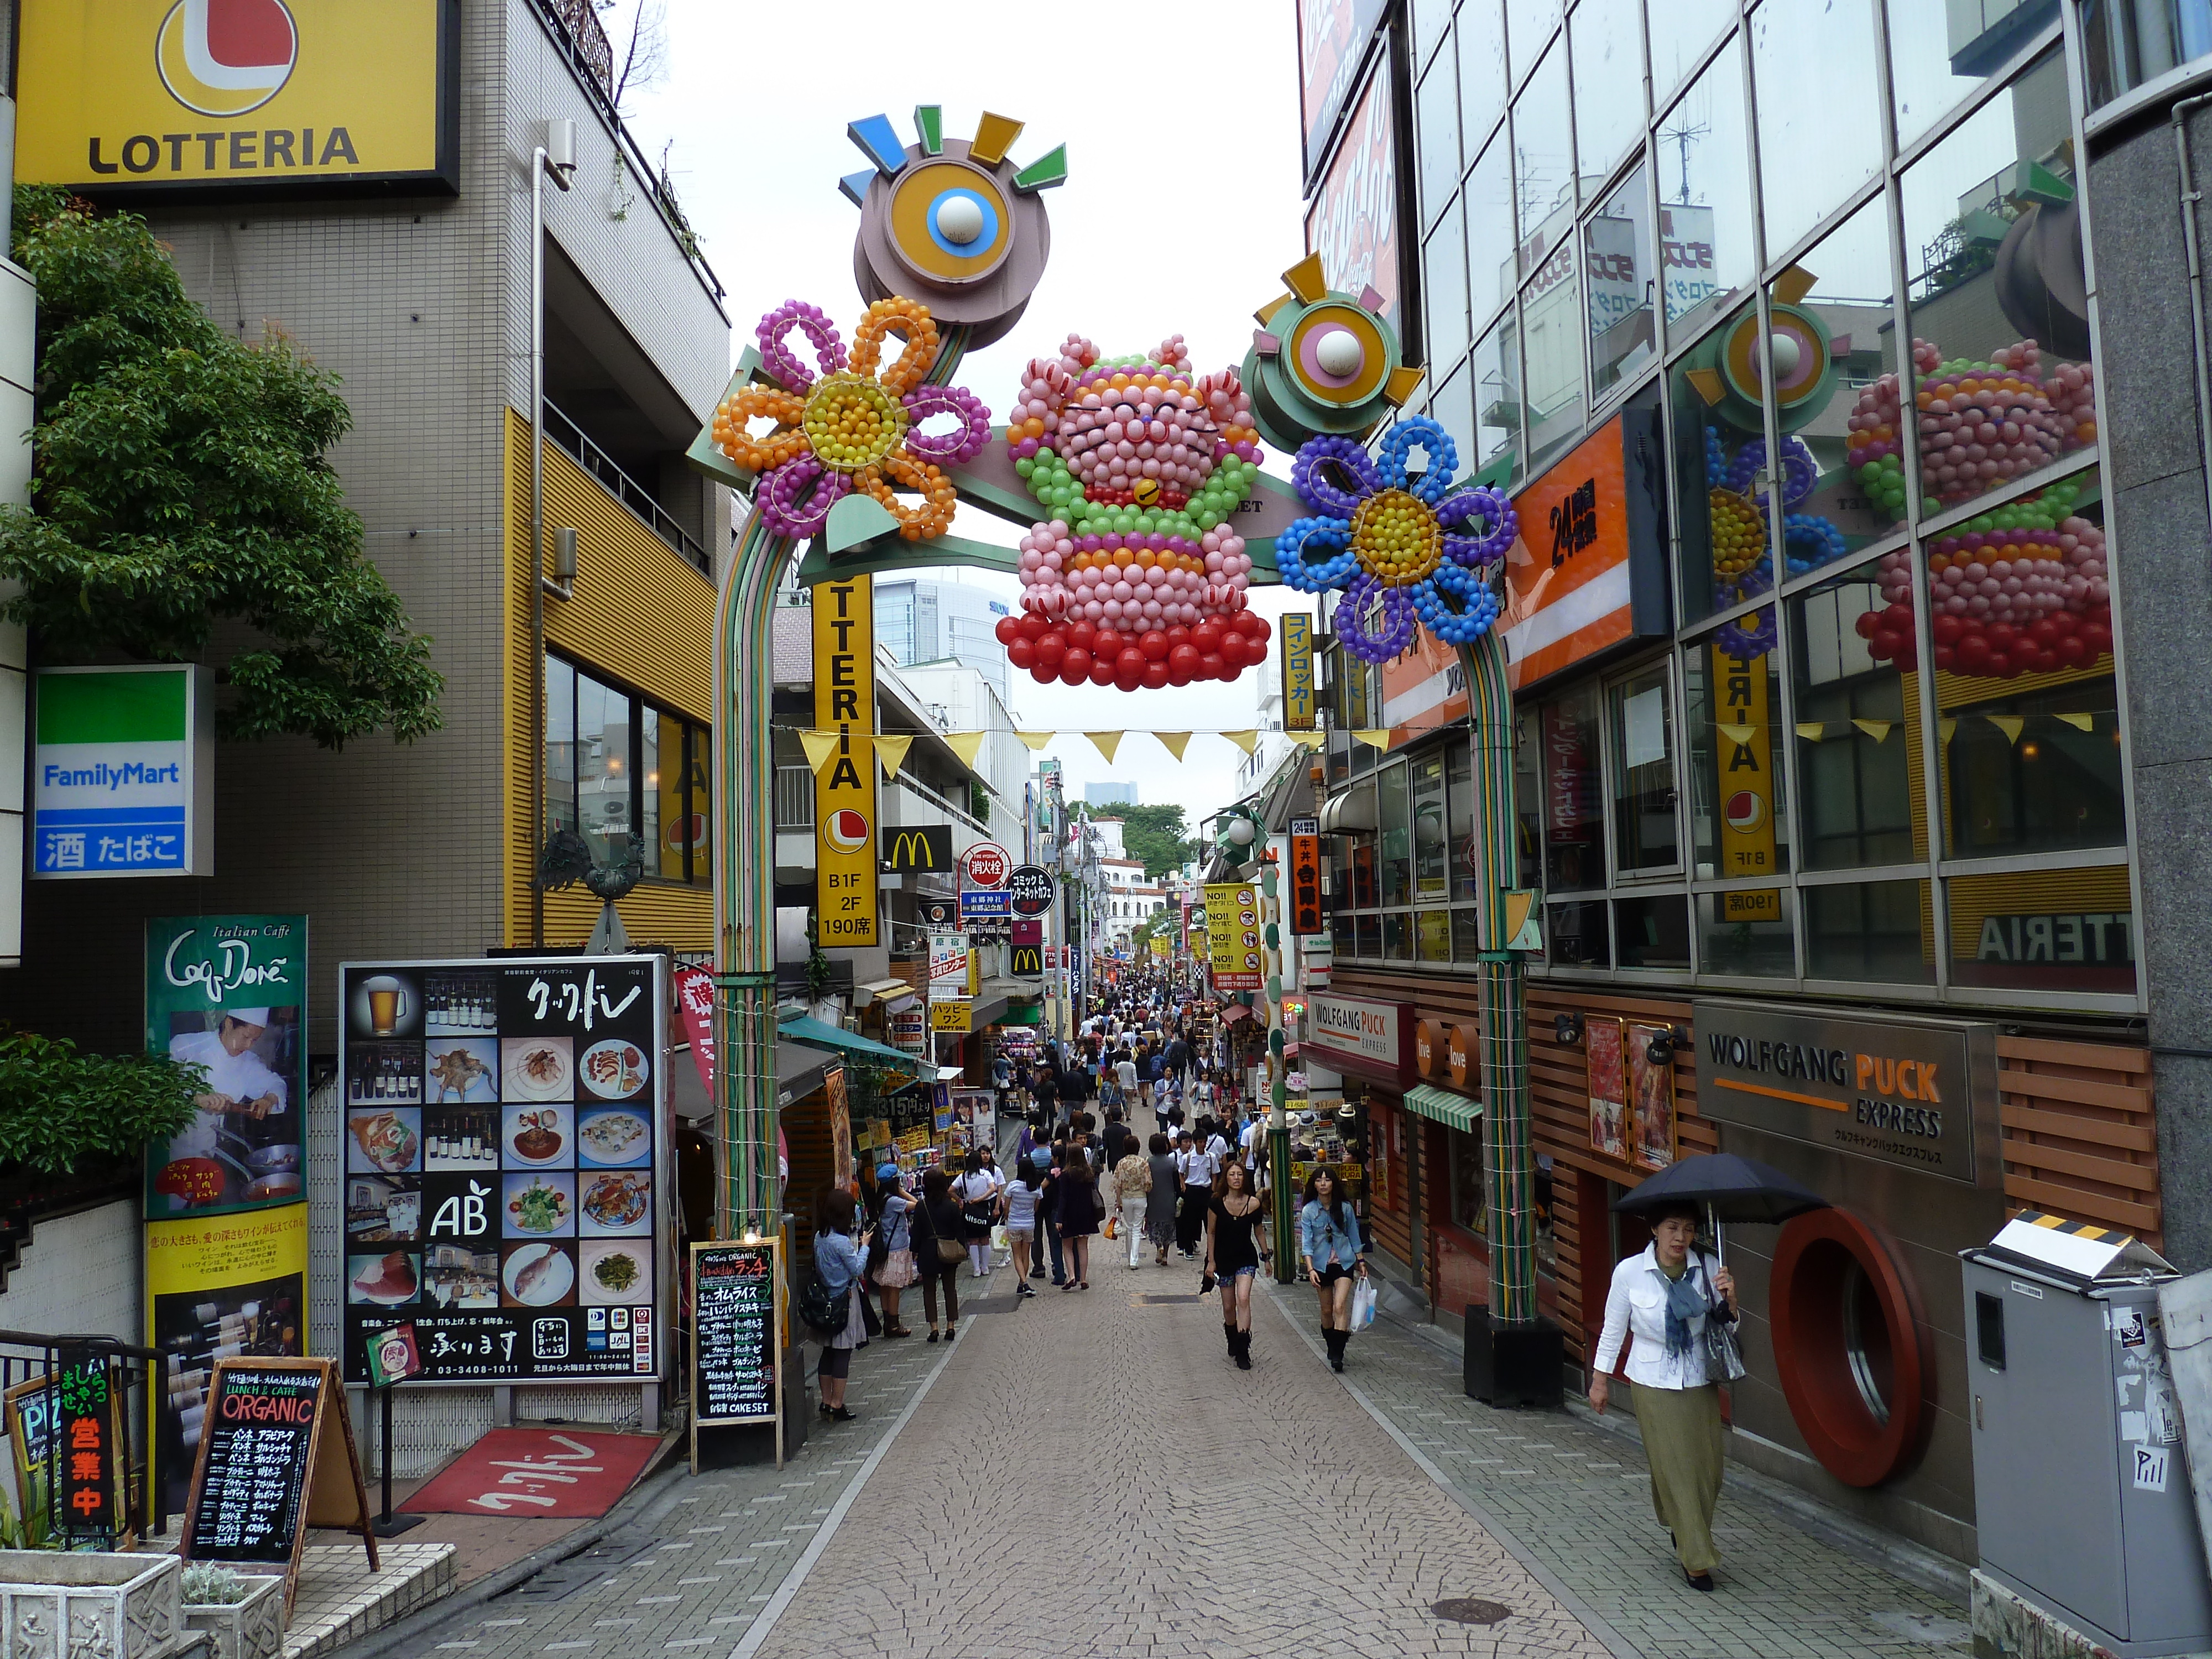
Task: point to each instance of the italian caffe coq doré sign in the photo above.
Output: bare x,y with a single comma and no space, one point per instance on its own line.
1914,1093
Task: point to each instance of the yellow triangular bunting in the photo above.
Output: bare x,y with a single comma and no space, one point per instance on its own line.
1248,740
1036,740
1738,735
2010,724
2080,722
1876,729
819,746
966,744
1107,742
1375,736
1812,731
891,751
1174,742
1308,739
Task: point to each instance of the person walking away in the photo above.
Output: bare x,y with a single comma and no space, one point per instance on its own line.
1328,1238
1165,1193
1118,1139
1002,1081
1178,1056
1075,1200
1021,1201
1198,1172
1041,1160
1125,1076
1044,1089
896,1271
978,1197
1233,1249
839,1259
1133,1189
1664,1296
937,1248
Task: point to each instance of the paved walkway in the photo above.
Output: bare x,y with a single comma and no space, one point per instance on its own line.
1087,1475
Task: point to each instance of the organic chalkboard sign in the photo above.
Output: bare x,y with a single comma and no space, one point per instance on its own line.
737,1317
276,1457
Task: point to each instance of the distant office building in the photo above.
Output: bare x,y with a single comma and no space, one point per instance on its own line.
1109,794
921,622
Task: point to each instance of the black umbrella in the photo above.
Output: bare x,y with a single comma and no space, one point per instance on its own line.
1731,1188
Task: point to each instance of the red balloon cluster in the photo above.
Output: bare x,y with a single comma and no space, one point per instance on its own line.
1991,650
1215,648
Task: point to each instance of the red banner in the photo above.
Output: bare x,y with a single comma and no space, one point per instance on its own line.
694,1001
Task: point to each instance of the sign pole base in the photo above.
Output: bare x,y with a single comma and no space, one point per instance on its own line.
388,1525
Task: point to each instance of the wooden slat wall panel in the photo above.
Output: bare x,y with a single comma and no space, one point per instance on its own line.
2079,1132
1393,1228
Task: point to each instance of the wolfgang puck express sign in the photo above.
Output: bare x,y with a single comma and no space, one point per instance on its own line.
282,97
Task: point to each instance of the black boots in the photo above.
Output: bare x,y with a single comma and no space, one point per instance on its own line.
1336,1341
1240,1349
1229,1335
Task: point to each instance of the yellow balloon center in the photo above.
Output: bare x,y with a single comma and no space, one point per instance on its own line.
1395,537
852,422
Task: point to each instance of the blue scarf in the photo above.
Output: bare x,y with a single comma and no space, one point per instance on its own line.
1685,1302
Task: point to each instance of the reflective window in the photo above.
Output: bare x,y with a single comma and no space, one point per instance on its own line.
1833,339
560,745
1459,829
1452,407
2044,930
1436,114
1491,258
1397,936
1432,934
1858,739
1393,837
1497,387
2127,42
1478,43
1618,257
1747,931
1444,269
1551,321
1467,934
1680,31
1820,129
1739,815
1704,197
1719,461
1432,856
648,805
1573,802
1875,930
1642,774
1997,294
1544,163
1432,19
1528,25
1939,54
1574,935
605,770
1652,933
1608,40
625,776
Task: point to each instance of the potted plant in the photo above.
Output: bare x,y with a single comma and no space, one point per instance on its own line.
243,1613
54,1604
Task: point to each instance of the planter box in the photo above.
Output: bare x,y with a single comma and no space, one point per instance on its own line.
59,1606
252,1629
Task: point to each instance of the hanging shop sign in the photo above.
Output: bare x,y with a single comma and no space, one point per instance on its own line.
1305,872
845,779
987,865
122,772
1232,926
1920,1094
1300,707
914,849
952,1015
1333,39
984,904
506,1166
940,913
224,99
1373,1040
695,1007
910,1030
1587,571
1031,889
1353,224
1744,755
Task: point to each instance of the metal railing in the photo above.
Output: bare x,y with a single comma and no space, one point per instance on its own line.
794,798
130,1374
602,470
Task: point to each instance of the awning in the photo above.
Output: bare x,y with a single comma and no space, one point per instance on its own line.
1235,1012
1461,1112
1032,1015
799,1071
803,1029
893,992
1355,809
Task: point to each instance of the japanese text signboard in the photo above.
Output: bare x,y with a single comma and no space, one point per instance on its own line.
507,1165
845,781
1232,925
1305,877
123,773
1299,706
83,1449
1744,753
734,1343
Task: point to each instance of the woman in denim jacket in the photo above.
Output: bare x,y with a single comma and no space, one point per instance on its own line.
1328,1238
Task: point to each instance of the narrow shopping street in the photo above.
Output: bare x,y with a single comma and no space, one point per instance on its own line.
1087,1473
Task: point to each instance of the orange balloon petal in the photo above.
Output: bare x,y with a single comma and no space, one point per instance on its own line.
910,317
757,454
933,517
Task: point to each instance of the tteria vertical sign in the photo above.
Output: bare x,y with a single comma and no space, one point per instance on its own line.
845,779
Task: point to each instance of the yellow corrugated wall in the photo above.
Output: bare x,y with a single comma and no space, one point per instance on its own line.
646,619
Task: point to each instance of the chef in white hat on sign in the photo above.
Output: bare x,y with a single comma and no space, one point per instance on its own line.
238,1082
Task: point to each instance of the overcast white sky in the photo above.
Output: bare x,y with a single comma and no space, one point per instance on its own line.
1180,211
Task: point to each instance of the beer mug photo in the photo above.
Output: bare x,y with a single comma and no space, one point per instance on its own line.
383,1006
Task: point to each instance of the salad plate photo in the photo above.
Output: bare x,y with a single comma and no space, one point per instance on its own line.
540,1205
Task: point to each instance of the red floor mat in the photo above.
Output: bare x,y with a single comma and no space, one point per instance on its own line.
554,1473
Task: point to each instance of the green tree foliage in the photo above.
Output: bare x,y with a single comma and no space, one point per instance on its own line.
1159,836
182,482
57,1106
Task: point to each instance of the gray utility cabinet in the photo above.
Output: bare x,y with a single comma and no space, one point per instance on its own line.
2081,1492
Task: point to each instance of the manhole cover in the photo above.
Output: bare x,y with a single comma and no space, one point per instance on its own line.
1471,1610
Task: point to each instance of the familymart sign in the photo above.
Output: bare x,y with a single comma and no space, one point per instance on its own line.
122,772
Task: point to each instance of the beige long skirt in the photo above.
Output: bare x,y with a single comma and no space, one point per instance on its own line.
1682,1442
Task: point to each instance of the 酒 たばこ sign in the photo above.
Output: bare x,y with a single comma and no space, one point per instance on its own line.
123,772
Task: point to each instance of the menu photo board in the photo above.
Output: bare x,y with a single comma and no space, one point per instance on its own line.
508,1166
737,1310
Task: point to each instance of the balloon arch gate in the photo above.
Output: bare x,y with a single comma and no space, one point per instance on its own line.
1136,481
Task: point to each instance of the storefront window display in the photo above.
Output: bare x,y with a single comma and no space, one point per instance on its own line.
1857,740
1937,58
1616,254
1606,38
1576,936
1707,249
1748,932
1722,543
1641,730
1815,147
1479,43
1875,930
1573,799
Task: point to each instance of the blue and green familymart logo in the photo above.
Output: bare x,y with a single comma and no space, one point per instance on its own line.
111,778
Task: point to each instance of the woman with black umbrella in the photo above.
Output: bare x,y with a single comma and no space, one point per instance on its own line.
1667,1296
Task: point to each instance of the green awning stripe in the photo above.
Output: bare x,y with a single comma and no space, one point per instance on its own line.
1461,1112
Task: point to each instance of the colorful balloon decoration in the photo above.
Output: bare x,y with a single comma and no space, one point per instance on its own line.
2023,590
1397,546
1323,361
855,428
1135,579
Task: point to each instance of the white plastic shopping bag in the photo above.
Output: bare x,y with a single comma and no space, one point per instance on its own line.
1363,1304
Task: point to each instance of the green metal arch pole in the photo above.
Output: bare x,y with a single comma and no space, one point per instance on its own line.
1510,1148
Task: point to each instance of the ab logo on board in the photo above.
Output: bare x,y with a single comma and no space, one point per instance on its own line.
226,57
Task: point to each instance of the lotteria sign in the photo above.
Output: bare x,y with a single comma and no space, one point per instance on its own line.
845,779
1368,1039
265,97
123,773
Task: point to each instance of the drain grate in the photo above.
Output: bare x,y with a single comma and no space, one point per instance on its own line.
1471,1610
585,1568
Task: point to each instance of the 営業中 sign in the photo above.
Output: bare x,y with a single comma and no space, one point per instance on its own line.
123,772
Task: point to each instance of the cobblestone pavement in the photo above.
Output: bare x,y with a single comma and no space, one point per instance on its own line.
1087,1475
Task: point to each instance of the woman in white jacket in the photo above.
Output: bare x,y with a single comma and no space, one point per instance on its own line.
1664,1297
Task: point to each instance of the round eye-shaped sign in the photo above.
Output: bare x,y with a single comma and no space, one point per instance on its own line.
1798,345
955,233
1338,353
948,222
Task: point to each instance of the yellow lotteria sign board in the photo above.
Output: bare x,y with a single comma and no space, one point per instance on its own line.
845,781
282,97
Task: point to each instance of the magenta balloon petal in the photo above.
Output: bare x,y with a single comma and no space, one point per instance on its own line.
785,501
777,358
964,442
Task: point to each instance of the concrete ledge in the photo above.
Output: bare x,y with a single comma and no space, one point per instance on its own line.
339,1601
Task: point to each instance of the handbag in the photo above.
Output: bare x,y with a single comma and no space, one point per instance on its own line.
1113,1227
951,1251
1724,1353
821,1309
